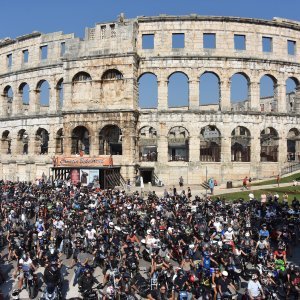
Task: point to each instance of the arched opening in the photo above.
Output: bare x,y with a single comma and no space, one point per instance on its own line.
81,88
239,92
43,90
293,145
60,92
80,141
24,92
268,93
8,97
112,74
6,142
209,91
22,142
291,85
59,142
178,144
240,144
147,144
110,140
81,77
42,141
269,142
178,90
210,144
148,91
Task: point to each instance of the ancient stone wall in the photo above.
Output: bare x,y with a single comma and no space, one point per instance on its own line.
93,83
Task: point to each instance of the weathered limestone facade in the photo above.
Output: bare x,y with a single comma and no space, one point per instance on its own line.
99,78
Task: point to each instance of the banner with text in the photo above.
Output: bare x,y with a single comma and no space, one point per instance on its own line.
80,161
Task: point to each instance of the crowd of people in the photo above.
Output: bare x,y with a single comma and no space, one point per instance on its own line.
178,246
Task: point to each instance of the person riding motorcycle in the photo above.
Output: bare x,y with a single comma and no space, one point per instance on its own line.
26,265
86,281
52,275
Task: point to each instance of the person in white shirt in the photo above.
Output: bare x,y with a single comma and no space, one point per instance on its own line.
255,290
228,234
218,225
58,224
90,232
26,265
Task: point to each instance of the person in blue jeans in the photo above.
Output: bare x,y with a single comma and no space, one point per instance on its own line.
211,184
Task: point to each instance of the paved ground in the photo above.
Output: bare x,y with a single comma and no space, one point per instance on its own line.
199,190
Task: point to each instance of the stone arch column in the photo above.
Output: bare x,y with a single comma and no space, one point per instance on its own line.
34,105
162,143
225,145
225,83
254,95
67,104
53,97
194,92
128,142
162,92
280,95
194,145
17,101
31,142
282,147
94,140
3,105
255,145
52,141
67,141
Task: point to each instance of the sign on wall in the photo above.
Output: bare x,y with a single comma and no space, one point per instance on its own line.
61,161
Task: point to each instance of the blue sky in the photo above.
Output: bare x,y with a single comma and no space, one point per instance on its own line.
21,17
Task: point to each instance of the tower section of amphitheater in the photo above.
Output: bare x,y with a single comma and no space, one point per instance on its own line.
70,104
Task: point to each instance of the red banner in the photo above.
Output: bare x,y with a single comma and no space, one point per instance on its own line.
80,161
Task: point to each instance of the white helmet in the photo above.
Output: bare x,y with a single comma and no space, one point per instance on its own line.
149,231
229,229
247,234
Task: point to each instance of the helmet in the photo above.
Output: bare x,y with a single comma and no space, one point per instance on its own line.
24,256
225,273
247,234
111,224
149,231
191,246
51,248
230,229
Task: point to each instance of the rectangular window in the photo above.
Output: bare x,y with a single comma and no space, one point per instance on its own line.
209,40
9,60
239,42
103,32
62,48
267,44
25,56
44,52
177,40
112,30
148,41
291,47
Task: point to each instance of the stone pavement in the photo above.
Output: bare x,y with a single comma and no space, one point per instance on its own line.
199,190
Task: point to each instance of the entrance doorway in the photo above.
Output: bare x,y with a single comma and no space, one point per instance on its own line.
147,175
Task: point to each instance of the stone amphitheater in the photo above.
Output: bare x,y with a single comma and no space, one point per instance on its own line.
70,105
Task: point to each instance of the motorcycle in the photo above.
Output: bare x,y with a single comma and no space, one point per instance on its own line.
91,294
67,248
31,284
51,293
